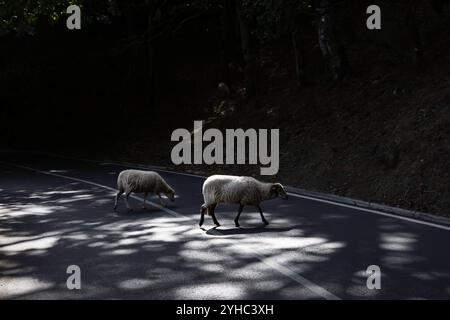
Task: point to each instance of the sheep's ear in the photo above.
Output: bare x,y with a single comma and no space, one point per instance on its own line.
278,187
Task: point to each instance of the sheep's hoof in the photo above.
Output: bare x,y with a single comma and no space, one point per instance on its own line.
266,222
237,224
130,209
217,224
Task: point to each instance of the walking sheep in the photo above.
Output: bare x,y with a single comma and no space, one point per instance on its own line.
139,181
241,190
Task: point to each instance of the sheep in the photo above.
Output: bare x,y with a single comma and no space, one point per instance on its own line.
139,181
241,190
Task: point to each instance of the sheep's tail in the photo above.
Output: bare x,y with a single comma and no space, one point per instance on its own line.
204,208
208,197
120,184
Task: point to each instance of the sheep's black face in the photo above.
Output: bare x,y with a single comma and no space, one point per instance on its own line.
171,195
277,190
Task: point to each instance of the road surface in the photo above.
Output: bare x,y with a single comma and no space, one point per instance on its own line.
57,212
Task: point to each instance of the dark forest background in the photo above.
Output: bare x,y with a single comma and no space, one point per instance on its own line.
362,113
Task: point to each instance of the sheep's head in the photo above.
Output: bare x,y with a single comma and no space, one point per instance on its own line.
171,195
277,190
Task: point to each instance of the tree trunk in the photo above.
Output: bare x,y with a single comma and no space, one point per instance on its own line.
299,59
129,81
150,58
297,47
415,35
249,59
332,50
226,27
131,32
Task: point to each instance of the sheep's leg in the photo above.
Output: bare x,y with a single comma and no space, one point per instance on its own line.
262,216
161,201
119,193
236,220
127,194
202,214
145,197
213,215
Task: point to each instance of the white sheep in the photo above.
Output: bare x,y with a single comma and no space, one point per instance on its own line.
241,190
139,181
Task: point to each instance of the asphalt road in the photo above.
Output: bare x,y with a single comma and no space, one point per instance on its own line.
58,212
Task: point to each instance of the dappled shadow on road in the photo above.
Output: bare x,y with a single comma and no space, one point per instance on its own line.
138,210
150,254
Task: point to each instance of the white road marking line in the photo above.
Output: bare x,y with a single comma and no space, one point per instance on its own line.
320,291
274,265
430,224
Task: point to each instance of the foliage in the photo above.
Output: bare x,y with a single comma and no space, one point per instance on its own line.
268,17
22,16
271,18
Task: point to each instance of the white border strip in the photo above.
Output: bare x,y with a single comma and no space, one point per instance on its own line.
430,224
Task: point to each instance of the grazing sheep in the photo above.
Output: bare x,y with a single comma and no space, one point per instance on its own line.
242,190
139,181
